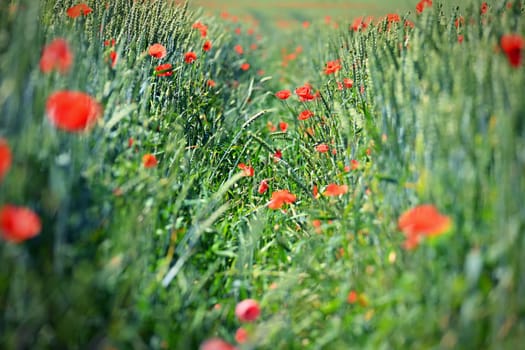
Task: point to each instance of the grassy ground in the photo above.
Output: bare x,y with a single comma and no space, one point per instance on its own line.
137,257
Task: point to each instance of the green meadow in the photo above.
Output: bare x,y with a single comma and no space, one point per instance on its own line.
271,175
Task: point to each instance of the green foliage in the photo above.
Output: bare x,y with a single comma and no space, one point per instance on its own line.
136,257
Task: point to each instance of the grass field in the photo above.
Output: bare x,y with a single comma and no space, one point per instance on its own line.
262,175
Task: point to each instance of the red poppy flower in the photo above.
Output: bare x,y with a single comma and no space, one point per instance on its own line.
72,111
305,93
322,148
460,38
422,4
263,187
149,160
283,94
333,190
238,49
164,70
109,42
241,335
211,83
512,45
216,344
283,126
18,224
271,127
113,58
484,8
245,66
332,67
305,115
253,47
460,21
157,51
279,198
79,10
306,24
393,18
352,297
247,310
206,46
5,158
409,24
278,154
131,141
247,170
315,191
420,221
56,55
348,83
238,31
361,23
201,27
317,226
190,57
355,164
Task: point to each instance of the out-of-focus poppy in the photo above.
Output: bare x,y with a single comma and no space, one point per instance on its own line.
5,158
79,10
56,55
18,224
72,111
149,160
190,57
281,197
